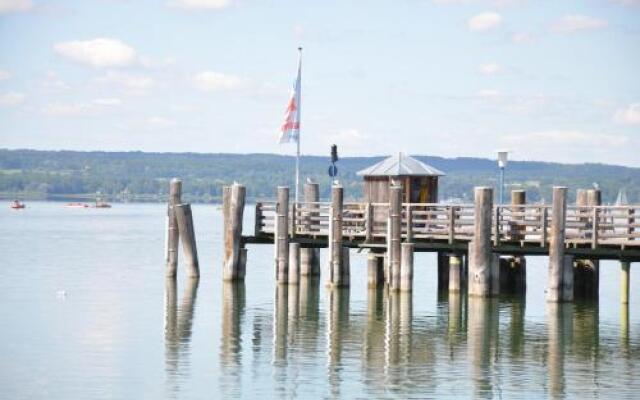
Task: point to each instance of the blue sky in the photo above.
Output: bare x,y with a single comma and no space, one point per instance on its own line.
550,80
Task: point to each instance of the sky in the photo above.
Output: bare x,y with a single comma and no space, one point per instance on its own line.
548,80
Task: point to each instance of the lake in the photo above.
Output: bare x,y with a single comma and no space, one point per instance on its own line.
87,314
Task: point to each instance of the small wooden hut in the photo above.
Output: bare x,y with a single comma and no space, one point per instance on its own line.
418,180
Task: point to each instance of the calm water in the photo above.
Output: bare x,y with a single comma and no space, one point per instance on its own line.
87,313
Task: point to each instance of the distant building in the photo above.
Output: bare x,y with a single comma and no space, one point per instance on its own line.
419,181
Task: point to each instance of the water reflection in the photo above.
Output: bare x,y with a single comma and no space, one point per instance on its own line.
482,344
560,336
488,345
177,330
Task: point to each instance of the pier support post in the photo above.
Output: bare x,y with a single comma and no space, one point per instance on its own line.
337,263
513,269
233,265
395,232
483,265
375,270
560,280
310,257
188,237
173,237
455,273
624,281
443,270
406,269
282,235
586,283
294,263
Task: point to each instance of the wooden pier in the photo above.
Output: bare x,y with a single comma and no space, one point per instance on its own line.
481,246
478,240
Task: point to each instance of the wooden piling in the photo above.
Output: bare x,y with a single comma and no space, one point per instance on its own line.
455,273
443,270
560,279
586,271
375,270
188,238
406,269
482,263
282,235
335,237
345,272
172,235
518,200
624,281
310,257
233,200
294,263
395,232
513,269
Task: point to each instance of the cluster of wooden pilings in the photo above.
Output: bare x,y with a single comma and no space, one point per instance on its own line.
180,228
479,268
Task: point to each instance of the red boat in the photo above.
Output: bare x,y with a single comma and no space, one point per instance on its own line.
17,205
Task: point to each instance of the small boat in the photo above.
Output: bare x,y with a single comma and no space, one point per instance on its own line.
17,205
77,205
102,204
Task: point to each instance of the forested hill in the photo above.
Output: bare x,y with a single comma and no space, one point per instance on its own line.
144,176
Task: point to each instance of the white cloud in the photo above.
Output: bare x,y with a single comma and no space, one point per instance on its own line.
4,74
9,6
484,21
559,145
490,69
199,4
92,108
52,81
629,115
577,23
108,101
522,37
496,3
158,122
215,81
552,138
98,53
131,84
12,99
627,2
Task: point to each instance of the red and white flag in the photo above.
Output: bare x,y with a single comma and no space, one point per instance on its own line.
290,129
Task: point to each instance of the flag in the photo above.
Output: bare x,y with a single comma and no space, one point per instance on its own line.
290,129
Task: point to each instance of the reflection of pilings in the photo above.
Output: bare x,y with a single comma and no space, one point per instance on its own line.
517,326
233,306
455,316
482,341
624,326
309,313
374,332
586,330
400,311
280,323
337,327
560,332
293,300
398,337
178,323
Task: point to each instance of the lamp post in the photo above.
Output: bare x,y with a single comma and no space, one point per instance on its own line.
502,164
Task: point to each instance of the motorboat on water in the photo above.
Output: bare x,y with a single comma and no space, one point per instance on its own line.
17,205
77,205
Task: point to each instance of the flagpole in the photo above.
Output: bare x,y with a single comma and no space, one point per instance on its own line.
298,141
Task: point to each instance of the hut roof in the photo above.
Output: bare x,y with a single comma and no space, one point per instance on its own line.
400,165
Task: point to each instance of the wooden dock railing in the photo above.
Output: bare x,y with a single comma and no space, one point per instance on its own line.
593,226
